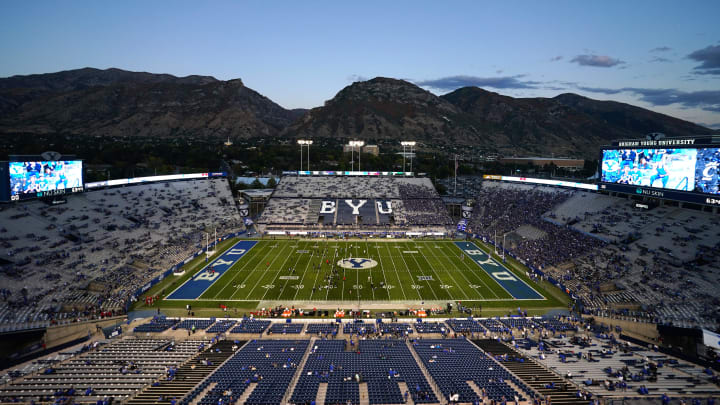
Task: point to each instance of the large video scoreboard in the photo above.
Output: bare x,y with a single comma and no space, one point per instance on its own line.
35,179
683,169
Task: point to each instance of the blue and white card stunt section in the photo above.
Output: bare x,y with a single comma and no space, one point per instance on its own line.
196,286
507,280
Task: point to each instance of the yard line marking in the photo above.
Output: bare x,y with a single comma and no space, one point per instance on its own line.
303,276
426,282
314,284
504,276
470,269
252,269
237,271
271,263
286,281
377,248
411,276
462,273
449,274
396,273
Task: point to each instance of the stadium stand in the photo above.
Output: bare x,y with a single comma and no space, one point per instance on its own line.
110,369
568,360
465,326
322,328
539,379
200,324
181,380
157,324
319,203
505,208
379,366
251,326
430,327
221,326
619,261
605,366
258,373
359,327
286,328
66,262
453,363
493,325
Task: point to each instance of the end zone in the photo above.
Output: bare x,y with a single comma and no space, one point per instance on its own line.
202,280
515,286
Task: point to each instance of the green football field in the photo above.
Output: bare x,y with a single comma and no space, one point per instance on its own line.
327,270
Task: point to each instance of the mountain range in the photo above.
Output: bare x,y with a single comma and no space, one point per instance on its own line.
115,102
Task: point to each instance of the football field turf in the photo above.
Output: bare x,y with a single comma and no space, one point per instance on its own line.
372,270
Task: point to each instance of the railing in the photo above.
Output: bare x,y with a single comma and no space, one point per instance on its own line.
436,389
298,372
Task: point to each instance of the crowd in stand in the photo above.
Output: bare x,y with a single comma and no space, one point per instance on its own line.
86,257
414,201
500,210
653,266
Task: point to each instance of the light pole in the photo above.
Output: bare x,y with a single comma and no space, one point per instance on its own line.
503,256
352,145
405,144
495,242
304,142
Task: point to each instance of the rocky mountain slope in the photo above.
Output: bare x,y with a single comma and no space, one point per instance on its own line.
115,102
568,124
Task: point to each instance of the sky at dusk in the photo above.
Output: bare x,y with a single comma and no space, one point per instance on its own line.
661,55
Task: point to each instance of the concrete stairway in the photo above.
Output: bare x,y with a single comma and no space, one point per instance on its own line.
404,388
533,374
426,373
321,394
202,394
246,394
364,394
186,378
298,371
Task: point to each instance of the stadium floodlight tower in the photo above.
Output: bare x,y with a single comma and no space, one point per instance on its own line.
304,142
405,144
352,145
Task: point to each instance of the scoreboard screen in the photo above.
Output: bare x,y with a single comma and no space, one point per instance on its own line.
684,174
34,179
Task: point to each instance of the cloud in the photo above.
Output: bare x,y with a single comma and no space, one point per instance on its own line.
556,58
709,58
502,82
708,100
708,72
661,49
713,126
356,78
602,90
658,59
596,61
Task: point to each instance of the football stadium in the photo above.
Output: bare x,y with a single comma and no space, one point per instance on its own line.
493,203
360,287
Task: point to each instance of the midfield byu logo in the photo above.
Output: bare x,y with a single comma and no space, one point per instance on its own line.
357,263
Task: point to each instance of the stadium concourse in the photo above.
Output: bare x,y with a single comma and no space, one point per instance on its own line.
513,360
86,257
